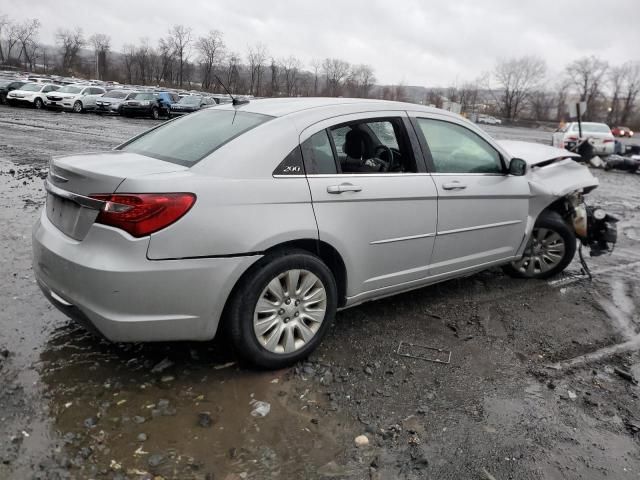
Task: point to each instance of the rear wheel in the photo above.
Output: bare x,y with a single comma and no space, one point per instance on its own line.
38,104
282,309
550,249
77,107
155,113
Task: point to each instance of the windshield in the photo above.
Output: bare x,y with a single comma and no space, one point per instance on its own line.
143,96
115,94
190,100
592,127
32,87
188,140
70,89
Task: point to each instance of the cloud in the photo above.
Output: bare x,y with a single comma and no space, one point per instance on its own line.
413,41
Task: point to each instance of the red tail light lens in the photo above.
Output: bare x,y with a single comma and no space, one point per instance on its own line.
572,139
141,214
608,140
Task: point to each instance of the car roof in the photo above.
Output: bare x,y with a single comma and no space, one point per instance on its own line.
280,107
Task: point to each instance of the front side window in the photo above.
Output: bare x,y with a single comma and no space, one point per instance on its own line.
456,149
188,140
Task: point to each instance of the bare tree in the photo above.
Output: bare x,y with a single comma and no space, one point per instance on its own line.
316,64
290,68
5,23
631,89
256,56
587,74
128,60
275,78
70,43
211,49
562,91
541,102
361,80
13,34
142,58
516,78
101,45
180,38
27,35
335,70
165,52
233,71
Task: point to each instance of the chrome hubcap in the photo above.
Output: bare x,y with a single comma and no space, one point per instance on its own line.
544,251
289,311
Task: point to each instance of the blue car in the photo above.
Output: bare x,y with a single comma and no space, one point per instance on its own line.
149,104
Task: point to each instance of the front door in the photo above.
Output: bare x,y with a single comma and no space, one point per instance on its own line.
372,198
482,210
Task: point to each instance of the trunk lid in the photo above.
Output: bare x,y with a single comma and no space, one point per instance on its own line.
73,179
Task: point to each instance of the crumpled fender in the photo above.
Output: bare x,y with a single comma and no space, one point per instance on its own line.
551,175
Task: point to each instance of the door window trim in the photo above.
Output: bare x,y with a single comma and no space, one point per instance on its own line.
424,146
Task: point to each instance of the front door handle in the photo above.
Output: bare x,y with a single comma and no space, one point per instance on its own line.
343,187
454,186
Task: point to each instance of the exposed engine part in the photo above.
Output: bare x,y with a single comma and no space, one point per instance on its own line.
602,233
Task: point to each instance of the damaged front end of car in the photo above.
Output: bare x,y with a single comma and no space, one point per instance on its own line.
559,183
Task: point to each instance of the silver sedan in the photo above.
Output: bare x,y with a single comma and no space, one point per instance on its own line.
271,215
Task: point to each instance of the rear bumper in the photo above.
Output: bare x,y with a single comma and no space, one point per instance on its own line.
143,111
107,283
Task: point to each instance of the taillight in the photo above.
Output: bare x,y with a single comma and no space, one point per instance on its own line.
572,139
142,214
608,140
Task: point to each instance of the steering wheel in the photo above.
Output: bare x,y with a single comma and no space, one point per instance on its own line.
387,166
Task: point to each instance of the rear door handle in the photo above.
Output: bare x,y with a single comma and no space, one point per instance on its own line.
343,187
454,186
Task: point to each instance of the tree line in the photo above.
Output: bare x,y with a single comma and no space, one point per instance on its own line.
516,88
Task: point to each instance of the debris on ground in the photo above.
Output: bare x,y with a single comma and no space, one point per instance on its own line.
260,408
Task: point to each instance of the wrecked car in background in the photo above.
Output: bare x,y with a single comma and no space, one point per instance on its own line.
270,215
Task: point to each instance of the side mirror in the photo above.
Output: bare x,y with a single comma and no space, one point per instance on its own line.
517,167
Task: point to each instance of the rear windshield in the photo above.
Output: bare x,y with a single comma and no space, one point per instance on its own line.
190,100
32,87
143,96
115,94
592,127
189,139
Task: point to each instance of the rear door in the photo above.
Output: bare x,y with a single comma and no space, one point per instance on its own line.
482,210
372,198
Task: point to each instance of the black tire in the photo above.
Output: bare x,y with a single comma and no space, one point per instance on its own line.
155,113
38,104
239,314
77,107
3,98
551,221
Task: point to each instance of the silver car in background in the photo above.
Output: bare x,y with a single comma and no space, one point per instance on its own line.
268,216
111,102
598,134
77,98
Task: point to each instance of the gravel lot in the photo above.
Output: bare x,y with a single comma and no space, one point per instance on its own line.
533,390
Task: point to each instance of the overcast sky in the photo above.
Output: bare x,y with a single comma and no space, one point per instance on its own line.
412,41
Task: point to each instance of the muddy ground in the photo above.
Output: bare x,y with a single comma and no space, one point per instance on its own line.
532,390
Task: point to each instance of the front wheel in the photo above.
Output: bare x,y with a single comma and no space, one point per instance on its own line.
155,113
282,309
551,248
37,103
77,107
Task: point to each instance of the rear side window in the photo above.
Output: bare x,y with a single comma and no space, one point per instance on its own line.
189,139
318,154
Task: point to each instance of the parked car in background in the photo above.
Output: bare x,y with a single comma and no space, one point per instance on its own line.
598,134
191,103
78,98
488,119
622,132
111,102
33,94
7,86
149,104
185,227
